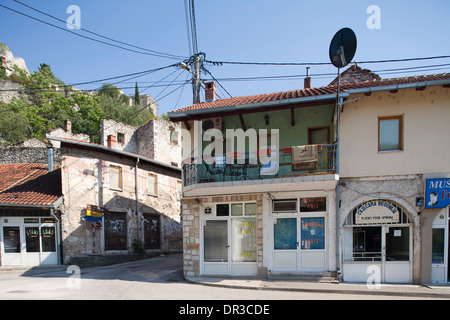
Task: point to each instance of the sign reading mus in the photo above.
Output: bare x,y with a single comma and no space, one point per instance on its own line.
437,193
377,211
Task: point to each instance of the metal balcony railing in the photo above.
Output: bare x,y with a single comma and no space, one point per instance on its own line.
291,162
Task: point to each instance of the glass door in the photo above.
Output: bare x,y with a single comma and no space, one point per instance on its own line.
285,244
11,253
32,245
215,255
397,255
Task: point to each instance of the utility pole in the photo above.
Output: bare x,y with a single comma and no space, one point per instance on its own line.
196,79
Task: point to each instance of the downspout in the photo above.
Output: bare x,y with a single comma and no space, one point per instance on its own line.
58,235
338,238
338,243
137,199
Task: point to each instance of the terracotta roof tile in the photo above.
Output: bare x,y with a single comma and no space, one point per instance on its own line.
330,89
29,184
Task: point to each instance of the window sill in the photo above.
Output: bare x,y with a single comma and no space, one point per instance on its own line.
115,189
390,151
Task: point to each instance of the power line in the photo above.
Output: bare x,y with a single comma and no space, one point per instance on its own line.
168,55
86,37
322,63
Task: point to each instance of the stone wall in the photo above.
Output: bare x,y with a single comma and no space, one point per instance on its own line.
14,154
86,180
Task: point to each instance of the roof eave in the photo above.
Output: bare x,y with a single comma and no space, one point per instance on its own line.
53,205
108,149
176,116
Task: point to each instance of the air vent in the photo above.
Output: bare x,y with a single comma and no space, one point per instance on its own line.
208,210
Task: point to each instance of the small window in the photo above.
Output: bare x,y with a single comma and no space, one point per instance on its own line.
222,210
179,190
153,184
173,136
390,133
120,137
285,205
115,177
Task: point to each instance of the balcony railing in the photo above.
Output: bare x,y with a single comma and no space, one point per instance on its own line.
292,161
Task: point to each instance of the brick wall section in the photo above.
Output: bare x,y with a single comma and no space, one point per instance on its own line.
191,230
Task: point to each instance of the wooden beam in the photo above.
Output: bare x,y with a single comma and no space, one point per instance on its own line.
241,119
256,110
187,125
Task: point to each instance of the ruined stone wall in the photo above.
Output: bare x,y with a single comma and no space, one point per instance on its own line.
86,180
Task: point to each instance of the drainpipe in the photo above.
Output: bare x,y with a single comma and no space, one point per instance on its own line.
137,198
338,241
58,235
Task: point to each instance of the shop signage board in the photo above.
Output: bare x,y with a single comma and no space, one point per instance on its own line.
94,211
377,211
437,194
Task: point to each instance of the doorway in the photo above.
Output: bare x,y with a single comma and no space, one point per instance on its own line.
299,243
28,241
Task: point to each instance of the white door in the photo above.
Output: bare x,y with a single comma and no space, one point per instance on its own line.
299,244
285,244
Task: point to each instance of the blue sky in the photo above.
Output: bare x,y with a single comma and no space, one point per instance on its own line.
232,30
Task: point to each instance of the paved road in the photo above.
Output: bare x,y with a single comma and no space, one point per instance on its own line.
158,278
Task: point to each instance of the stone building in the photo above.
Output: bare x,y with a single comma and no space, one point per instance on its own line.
136,198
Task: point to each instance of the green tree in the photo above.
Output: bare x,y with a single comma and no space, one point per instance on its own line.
137,99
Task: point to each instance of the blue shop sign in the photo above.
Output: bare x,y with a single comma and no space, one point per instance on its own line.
437,193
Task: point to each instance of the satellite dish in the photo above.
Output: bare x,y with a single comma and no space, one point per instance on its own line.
343,47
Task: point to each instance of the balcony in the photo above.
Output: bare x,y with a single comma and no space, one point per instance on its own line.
297,161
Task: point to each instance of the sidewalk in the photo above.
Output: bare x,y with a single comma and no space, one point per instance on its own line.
405,290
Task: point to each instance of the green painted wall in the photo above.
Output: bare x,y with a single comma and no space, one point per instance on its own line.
308,117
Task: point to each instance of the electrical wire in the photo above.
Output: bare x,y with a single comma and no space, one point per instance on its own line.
219,63
86,37
168,55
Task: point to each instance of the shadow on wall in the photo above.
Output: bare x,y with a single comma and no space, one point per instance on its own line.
159,232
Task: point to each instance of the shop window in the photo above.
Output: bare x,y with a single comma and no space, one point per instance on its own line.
11,239
313,233
438,240
115,177
48,239
367,244
390,133
243,235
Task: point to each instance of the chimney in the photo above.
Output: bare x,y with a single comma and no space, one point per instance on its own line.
68,126
210,91
50,158
111,141
307,79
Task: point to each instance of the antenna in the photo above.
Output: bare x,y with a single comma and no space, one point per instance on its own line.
342,51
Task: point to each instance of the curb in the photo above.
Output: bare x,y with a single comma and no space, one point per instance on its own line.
377,292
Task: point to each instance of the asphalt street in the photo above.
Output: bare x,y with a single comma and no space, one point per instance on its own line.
158,279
